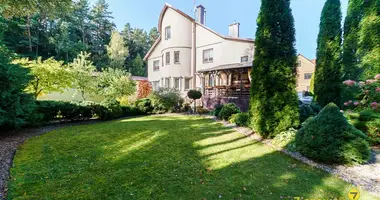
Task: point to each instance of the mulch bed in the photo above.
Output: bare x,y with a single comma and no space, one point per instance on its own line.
9,142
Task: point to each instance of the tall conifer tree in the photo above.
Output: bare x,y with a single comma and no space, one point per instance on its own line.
327,81
273,103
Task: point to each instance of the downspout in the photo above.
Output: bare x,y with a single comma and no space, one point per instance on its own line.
194,49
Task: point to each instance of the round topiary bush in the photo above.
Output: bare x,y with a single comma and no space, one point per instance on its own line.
228,110
240,119
329,138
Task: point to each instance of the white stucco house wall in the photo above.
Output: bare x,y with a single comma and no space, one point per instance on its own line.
190,55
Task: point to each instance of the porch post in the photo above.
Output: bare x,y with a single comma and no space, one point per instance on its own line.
241,81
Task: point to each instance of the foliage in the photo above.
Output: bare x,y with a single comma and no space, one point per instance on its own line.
312,84
369,39
144,88
327,72
125,151
48,75
329,138
186,107
115,83
15,106
194,95
286,139
368,94
13,8
166,99
138,66
274,102
217,110
307,111
240,119
351,38
228,110
109,109
144,105
200,110
116,51
82,73
367,121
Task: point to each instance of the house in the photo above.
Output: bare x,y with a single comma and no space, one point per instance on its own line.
189,55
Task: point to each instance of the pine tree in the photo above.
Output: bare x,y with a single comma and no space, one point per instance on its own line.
273,103
327,81
350,61
138,67
369,39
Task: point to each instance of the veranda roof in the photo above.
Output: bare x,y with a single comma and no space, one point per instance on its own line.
226,67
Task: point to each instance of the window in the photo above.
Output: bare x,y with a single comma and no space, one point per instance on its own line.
167,82
162,59
187,83
156,85
308,75
207,56
298,63
167,58
176,57
211,80
176,83
244,59
167,33
156,65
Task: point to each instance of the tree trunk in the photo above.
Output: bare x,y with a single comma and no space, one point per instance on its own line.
29,33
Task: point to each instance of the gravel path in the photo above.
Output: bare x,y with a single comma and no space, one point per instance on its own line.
10,141
365,176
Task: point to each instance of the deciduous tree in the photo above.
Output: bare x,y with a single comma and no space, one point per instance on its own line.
82,73
116,51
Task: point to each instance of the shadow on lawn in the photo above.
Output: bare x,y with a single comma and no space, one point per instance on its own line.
179,158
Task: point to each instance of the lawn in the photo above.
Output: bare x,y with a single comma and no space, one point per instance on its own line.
162,157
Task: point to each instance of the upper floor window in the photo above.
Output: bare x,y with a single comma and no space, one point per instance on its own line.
167,58
308,75
244,59
156,65
208,56
176,57
168,34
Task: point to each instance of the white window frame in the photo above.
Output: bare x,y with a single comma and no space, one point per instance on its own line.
167,82
309,74
246,58
156,65
176,57
177,83
208,56
187,79
168,33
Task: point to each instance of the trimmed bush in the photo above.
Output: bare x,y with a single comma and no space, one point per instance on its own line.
144,105
217,110
307,111
109,109
367,121
329,138
240,119
228,110
200,110
286,139
166,100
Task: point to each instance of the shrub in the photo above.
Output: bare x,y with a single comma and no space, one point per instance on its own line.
329,138
166,100
369,122
228,110
201,110
144,106
217,110
240,119
307,111
109,109
186,107
286,139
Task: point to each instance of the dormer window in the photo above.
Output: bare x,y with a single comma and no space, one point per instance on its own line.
244,59
168,34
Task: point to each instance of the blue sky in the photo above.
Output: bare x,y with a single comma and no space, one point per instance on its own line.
220,13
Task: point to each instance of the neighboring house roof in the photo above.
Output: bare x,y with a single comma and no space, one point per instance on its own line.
166,7
228,66
139,78
306,58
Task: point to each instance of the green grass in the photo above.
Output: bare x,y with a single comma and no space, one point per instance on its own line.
162,157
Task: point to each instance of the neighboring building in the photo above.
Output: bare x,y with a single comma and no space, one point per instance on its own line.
305,72
189,55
